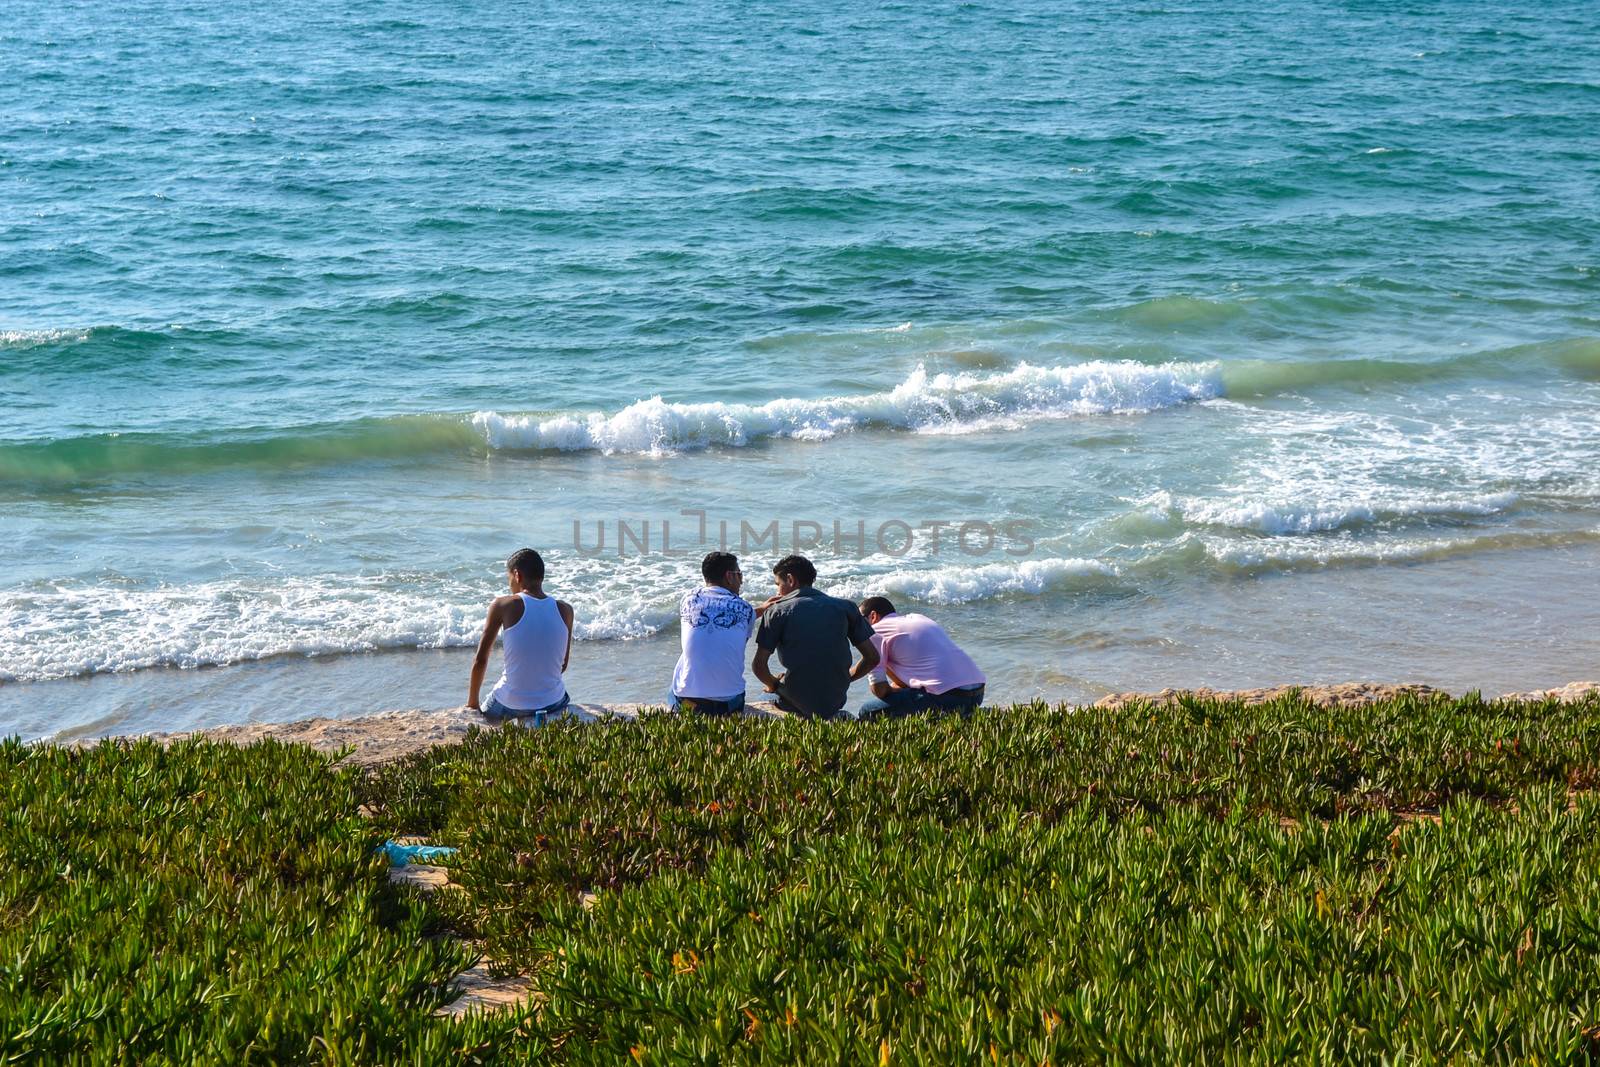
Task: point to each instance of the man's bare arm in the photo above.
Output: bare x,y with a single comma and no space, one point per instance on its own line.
763,673
480,662
567,617
882,687
868,660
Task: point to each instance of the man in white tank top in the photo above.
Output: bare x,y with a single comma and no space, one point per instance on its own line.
535,632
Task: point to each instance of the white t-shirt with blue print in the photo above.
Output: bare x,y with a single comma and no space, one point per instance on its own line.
716,627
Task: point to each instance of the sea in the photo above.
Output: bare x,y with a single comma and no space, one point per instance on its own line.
1141,345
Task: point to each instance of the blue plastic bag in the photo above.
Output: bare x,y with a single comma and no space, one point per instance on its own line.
400,855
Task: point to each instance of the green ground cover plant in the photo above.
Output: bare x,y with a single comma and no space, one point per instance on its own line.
1411,882
1175,938
543,815
209,904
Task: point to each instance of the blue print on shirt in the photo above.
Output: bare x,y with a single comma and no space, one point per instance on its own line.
723,612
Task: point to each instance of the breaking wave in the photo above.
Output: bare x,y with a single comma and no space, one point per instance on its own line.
924,402
971,401
61,630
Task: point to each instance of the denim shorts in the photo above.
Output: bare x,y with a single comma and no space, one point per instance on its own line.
495,711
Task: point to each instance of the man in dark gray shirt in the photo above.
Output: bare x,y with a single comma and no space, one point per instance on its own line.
812,633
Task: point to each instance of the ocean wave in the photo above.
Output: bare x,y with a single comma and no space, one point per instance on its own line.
1242,560
105,349
965,583
1578,357
20,339
73,629
98,456
76,629
1280,517
1179,312
967,401
924,402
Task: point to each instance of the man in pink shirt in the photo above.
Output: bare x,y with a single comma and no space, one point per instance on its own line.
919,667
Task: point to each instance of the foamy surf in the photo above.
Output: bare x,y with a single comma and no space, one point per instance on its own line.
15,339
1281,517
923,402
80,629
1234,559
964,584
970,401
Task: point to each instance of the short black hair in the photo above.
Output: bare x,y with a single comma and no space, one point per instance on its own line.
880,604
528,564
716,566
798,567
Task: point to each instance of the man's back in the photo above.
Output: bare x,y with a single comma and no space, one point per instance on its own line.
716,624
813,634
922,655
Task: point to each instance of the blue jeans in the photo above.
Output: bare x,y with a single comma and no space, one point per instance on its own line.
731,706
495,711
901,702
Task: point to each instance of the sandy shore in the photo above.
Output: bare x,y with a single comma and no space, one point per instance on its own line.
392,735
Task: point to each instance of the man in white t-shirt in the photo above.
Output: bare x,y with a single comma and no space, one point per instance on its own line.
919,667
716,624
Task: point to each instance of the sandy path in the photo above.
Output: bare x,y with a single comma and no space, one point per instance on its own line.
392,735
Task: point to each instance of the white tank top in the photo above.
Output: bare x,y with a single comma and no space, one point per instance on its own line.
534,649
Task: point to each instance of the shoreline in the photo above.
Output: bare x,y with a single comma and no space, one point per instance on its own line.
388,736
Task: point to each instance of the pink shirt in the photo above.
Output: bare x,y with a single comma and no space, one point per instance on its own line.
922,655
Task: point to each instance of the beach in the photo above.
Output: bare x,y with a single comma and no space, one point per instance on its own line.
1218,387
1140,349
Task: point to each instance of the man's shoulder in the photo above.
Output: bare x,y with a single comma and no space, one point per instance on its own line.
785,604
816,605
839,603
718,606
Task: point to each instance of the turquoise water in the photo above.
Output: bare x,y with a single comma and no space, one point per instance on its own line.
1272,334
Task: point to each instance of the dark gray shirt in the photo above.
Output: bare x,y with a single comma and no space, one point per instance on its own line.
813,634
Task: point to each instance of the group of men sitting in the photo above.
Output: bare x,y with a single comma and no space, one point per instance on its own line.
910,661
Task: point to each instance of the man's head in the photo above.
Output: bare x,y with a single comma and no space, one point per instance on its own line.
525,570
876,607
793,572
722,568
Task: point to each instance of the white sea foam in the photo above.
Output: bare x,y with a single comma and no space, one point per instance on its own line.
30,338
964,583
923,402
1284,517
82,628
1303,554
65,630
69,629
